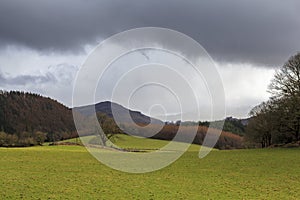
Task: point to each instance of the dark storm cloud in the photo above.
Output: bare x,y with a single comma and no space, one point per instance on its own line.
256,31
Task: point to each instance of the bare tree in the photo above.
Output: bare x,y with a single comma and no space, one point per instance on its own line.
286,87
263,126
286,82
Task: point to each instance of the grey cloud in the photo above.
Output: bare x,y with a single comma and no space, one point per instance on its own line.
63,73
256,31
56,82
23,80
58,74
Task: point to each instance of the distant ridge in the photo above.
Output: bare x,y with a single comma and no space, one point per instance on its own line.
108,107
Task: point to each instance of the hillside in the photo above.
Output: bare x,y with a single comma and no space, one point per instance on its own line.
109,108
25,112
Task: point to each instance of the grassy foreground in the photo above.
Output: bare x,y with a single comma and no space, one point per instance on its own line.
70,172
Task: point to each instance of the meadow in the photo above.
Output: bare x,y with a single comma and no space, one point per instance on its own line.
70,172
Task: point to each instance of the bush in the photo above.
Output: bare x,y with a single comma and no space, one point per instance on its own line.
7,140
23,140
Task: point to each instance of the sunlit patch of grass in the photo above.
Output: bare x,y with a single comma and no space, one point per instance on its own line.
136,143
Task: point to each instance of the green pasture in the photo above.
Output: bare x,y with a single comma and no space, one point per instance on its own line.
70,172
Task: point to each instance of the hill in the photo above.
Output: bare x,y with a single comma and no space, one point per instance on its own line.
26,113
109,108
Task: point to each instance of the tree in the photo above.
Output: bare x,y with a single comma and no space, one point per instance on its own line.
109,129
285,87
40,137
289,110
286,82
278,120
263,127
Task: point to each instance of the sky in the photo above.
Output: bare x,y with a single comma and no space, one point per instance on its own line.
43,44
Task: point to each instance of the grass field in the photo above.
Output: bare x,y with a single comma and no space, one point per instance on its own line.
70,172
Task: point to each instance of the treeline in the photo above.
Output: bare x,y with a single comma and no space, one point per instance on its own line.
232,125
166,131
24,139
226,140
277,121
23,116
